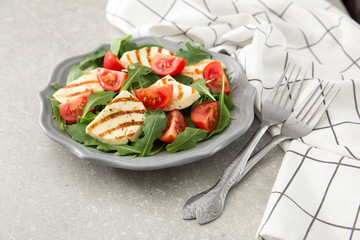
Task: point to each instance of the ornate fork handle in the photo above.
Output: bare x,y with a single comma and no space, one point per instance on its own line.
211,205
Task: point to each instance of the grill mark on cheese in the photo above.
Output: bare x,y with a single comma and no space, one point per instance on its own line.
130,135
159,50
124,99
128,58
193,90
197,71
148,54
122,125
164,80
76,94
81,83
112,116
137,54
119,137
181,93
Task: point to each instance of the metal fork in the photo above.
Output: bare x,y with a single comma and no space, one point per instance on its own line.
275,109
300,123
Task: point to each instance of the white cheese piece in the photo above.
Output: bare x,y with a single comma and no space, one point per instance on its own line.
183,95
195,71
142,56
120,121
86,83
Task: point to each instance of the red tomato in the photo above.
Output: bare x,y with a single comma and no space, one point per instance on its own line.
111,61
206,115
175,125
111,80
74,108
166,64
155,97
214,72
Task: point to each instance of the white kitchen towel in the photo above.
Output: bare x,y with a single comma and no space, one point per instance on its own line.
316,193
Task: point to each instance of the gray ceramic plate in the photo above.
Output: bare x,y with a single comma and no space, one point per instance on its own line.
243,96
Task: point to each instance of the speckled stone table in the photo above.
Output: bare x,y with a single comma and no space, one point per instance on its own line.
48,193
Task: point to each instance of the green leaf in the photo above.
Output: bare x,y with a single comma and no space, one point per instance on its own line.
91,62
121,150
56,86
56,109
183,79
77,133
88,117
97,98
153,127
193,54
75,73
95,59
187,139
146,81
201,87
120,45
224,114
136,73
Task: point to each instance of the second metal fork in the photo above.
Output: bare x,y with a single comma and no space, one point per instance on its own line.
275,109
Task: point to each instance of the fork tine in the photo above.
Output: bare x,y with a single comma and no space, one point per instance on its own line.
315,118
279,96
294,93
318,91
306,105
277,86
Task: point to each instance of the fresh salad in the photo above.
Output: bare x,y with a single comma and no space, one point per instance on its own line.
141,100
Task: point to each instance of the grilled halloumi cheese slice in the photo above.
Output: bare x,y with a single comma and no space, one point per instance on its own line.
86,83
142,56
195,71
183,95
120,121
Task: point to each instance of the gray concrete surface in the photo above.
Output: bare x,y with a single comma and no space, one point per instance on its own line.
47,193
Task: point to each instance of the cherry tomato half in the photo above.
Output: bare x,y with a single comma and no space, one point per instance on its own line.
214,72
175,125
111,61
155,97
166,64
111,80
70,110
206,115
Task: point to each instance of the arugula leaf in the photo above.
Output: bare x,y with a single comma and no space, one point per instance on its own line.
153,127
146,81
75,73
201,87
56,86
121,150
136,73
224,114
55,104
77,133
120,45
187,139
95,59
193,54
229,102
91,62
88,117
95,99
183,79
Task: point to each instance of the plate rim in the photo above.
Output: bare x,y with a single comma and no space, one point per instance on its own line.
127,162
